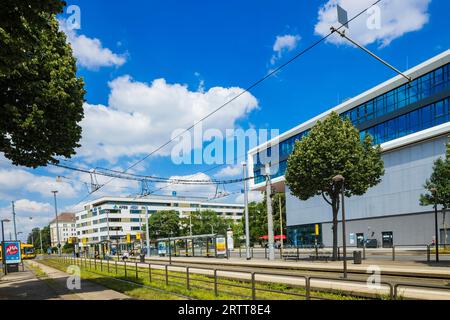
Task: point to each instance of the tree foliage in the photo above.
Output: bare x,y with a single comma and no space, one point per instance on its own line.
205,222
333,147
440,180
164,224
35,236
258,217
41,98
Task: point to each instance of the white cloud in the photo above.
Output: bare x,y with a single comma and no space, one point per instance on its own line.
89,51
192,190
17,181
284,44
141,117
230,171
41,214
253,196
397,18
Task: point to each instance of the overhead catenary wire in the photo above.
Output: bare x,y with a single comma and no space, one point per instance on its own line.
243,92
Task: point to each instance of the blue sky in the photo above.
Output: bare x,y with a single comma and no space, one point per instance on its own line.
151,67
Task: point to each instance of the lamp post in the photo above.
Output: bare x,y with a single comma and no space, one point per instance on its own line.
434,191
32,234
5,271
147,233
57,224
247,226
339,181
40,239
170,250
269,213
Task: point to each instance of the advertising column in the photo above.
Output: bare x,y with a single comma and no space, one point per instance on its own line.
13,255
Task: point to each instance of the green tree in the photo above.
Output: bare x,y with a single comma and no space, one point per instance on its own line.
46,242
205,222
164,224
439,180
41,98
333,147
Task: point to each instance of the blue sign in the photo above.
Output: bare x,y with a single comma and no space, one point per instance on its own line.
12,252
162,248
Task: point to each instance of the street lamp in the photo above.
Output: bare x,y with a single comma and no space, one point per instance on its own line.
339,180
5,271
57,224
436,231
32,235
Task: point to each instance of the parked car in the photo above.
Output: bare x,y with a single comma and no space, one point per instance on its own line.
371,243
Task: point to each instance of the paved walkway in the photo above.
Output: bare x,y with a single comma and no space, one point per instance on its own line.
27,286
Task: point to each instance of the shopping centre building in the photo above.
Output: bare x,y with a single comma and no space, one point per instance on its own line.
411,123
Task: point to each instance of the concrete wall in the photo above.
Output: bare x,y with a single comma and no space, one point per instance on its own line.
397,194
407,229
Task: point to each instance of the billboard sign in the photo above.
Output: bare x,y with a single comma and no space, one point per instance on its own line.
230,240
221,246
12,252
162,250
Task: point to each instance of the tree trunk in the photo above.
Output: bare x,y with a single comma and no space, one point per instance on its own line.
335,206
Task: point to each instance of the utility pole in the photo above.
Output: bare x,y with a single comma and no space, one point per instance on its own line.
14,220
40,238
247,226
107,235
281,222
57,224
269,214
147,232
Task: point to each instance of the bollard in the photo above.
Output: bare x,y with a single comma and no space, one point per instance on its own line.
252,252
308,288
95,263
90,264
215,283
253,287
364,251
150,272
125,264
265,252
101,265
393,253
428,253
188,286
167,275
115,262
240,255
135,265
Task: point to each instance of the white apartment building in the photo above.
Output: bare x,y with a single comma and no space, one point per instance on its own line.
126,216
67,228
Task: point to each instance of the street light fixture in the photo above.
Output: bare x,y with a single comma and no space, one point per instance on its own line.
434,191
5,270
339,180
57,224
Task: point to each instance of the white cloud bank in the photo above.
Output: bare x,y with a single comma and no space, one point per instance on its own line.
284,44
89,52
140,117
397,17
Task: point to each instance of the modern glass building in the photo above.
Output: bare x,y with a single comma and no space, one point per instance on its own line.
411,122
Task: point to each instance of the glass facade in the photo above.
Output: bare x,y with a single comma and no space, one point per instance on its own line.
304,236
417,120
425,117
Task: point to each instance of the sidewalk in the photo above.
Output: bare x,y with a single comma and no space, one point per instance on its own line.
396,268
27,286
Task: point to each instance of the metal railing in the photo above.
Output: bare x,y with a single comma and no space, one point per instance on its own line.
251,284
